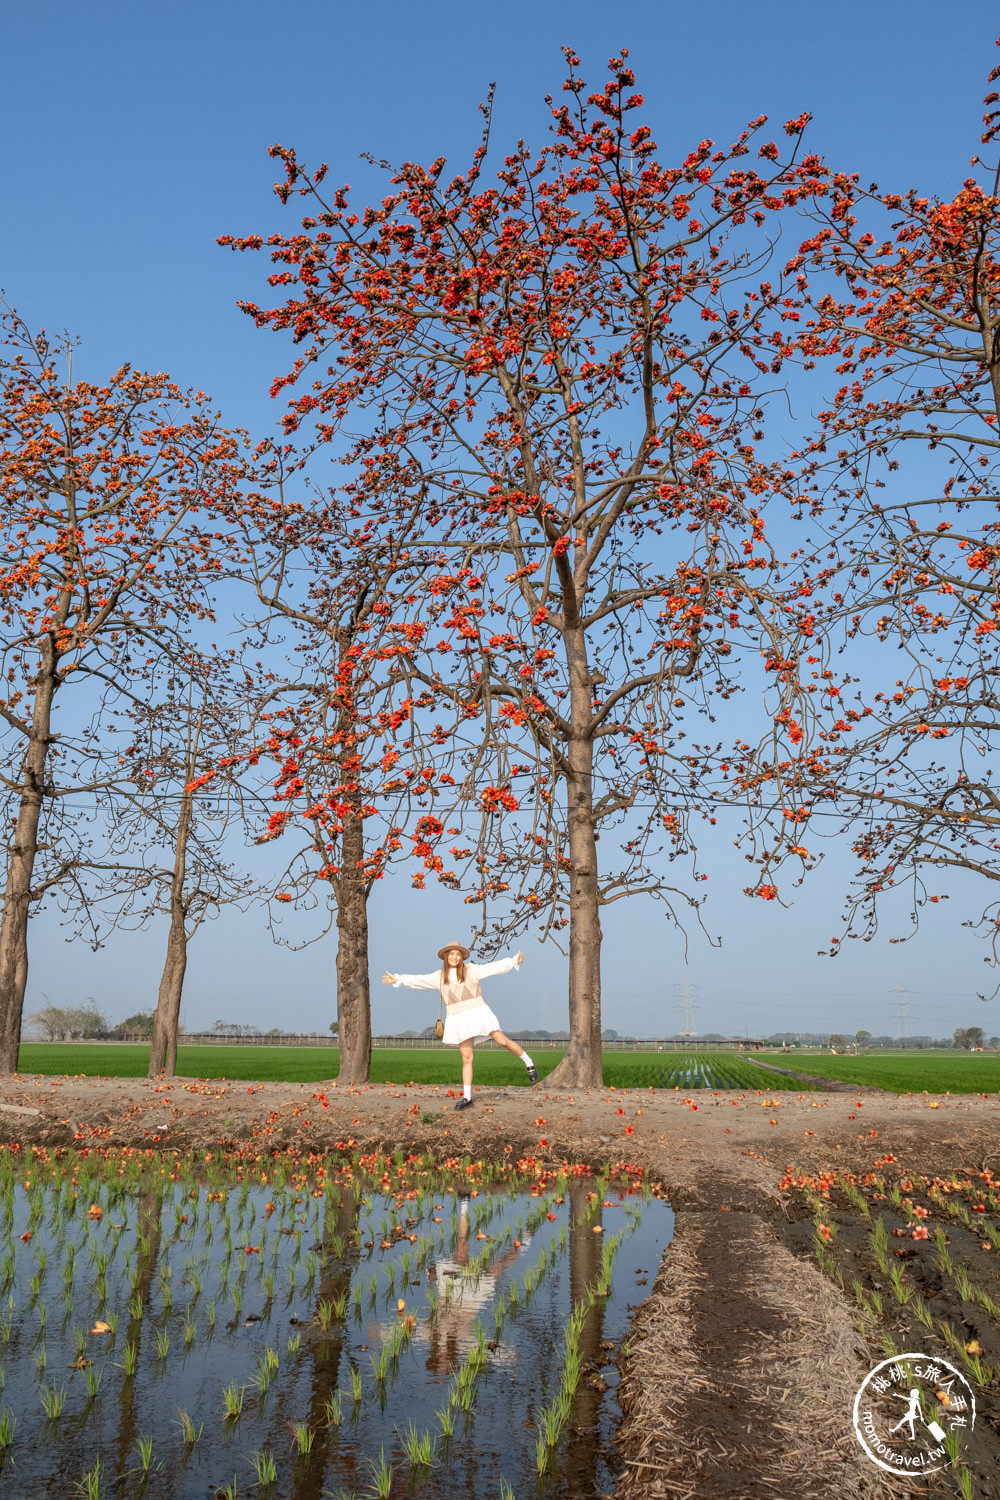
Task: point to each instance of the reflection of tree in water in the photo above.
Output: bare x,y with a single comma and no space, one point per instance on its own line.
149,1212
325,1350
579,1449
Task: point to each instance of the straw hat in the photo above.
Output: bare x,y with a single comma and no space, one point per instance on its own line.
450,948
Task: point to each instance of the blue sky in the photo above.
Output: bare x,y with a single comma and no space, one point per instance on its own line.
134,135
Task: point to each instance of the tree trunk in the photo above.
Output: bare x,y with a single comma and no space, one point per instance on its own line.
354,1021
581,1066
17,895
163,1044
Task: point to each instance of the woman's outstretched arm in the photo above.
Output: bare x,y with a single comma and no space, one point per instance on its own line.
499,966
414,981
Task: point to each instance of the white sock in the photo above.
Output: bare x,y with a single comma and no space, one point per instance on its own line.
526,1060
467,1090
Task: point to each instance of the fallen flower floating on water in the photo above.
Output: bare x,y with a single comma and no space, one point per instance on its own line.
100,1327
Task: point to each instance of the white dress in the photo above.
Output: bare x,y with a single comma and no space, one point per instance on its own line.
467,1020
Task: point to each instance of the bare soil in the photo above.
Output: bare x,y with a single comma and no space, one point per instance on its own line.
740,1371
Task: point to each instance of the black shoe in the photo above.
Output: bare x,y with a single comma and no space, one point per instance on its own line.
465,1104
532,1072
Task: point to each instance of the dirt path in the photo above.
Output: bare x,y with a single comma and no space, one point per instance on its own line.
746,1357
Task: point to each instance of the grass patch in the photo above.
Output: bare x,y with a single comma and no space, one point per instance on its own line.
898,1072
906,1072
494,1068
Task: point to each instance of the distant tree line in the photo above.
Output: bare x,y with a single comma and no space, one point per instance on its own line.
69,1023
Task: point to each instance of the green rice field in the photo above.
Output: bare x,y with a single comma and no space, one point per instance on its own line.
898,1072
905,1072
494,1068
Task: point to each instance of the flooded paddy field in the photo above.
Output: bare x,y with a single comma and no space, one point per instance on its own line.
362,1325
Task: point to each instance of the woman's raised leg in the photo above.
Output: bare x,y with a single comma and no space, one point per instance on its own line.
505,1041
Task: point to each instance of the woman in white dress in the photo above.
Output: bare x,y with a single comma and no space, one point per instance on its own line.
469,1018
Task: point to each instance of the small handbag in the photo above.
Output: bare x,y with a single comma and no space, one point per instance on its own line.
439,1028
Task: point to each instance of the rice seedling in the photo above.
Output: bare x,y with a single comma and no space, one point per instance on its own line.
267,1368
418,1446
380,1364
92,1381
144,1452
902,1289
922,1312
162,1343
233,1396
880,1246
294,1343
888,1346
355,1385
189,1433
381,1475
446,1421
90,1482
324,1314
988,1305
41,1360
302,1437
982,1374
53,1399
130,1357
264,1467
334,1409
8,1423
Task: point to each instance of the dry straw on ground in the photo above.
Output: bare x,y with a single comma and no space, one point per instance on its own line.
725,1394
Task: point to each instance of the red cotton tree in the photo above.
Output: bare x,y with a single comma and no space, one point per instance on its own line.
904,492
174,806
565,366
109,542
356,764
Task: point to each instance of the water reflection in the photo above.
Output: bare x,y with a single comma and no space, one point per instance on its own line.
339,1247
463,1298
312,1277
